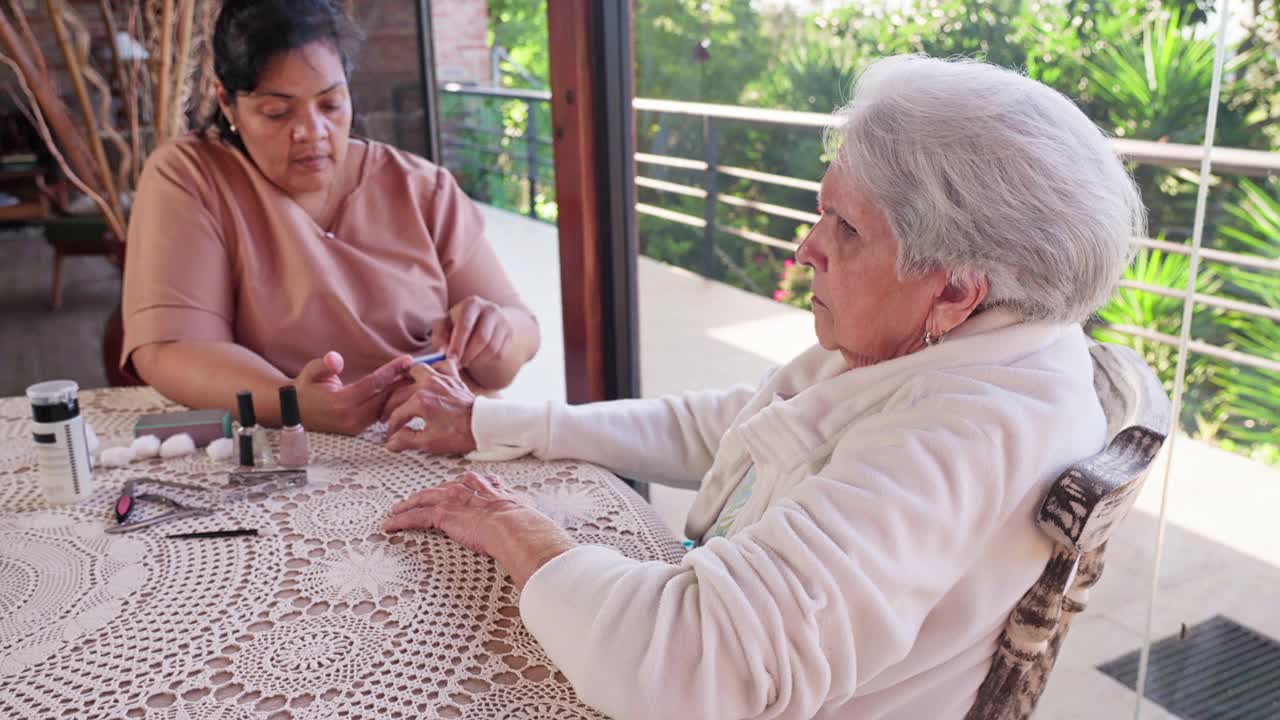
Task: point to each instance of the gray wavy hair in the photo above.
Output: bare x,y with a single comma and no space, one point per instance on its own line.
984,172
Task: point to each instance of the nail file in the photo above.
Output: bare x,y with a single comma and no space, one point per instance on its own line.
240,532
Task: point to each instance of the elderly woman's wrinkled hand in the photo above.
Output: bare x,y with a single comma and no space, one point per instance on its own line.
485,517
440,398
329,405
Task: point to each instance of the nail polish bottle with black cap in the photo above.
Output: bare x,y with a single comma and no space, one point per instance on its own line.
293,438
251,438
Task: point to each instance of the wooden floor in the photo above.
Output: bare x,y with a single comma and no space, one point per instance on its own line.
36,342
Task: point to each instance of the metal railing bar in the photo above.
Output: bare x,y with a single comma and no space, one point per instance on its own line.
498,132
1224,303
1224,160
1218,256
1154,289
686,164
664,186
710,181
784,180
1217,301
453,88
1197,346
1239,306
672,215
760,238
779,210
451,144
734,112
671,161
691,221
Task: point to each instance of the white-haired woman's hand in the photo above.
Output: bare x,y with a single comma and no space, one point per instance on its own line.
442,402
485,517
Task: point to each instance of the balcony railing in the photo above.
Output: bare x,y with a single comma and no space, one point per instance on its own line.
1230,161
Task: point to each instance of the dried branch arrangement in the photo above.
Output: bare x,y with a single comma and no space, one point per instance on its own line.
103,132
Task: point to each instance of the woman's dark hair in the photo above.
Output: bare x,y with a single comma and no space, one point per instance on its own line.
249,33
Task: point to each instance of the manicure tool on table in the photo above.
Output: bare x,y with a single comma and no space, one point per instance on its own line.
239,532
259,481
264,481
129,498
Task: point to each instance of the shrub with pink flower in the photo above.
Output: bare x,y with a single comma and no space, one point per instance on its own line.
795,287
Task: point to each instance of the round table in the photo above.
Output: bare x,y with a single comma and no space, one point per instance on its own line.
320,616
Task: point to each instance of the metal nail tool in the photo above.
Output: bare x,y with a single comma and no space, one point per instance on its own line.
264,482
130,497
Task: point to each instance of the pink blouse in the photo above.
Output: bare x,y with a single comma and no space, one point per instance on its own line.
216,252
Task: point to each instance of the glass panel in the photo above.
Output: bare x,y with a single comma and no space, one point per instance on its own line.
387,83
721,200
1220,558
724,192
495,136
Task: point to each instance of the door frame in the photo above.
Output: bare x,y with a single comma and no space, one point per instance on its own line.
593,135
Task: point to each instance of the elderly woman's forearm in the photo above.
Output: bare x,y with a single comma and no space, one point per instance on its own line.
526,552
525,340
670,440
209,374
700,645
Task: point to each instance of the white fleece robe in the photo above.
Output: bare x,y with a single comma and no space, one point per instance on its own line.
889,534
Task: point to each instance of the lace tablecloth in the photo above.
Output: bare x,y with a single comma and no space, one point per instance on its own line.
321,616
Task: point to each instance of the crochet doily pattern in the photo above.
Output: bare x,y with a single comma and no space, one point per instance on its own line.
320,616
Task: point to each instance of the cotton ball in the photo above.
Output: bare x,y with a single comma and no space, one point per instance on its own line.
147,446
175,445
116,456
416,424
221,449
91,440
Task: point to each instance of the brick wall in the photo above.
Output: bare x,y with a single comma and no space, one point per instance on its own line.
461,37
386,84
387,80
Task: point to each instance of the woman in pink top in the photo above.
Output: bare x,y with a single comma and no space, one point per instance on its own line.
273,248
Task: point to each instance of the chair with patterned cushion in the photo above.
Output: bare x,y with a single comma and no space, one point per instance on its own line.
1083,507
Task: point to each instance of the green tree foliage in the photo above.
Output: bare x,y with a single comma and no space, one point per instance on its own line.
1250,397
520,28
1140,69
1132,307
697,50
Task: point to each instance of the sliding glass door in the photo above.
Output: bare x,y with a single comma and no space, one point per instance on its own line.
731,97
481,108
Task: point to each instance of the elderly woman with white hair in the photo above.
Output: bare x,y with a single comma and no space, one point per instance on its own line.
865,514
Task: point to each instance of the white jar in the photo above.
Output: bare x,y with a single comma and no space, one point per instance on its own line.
62,448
